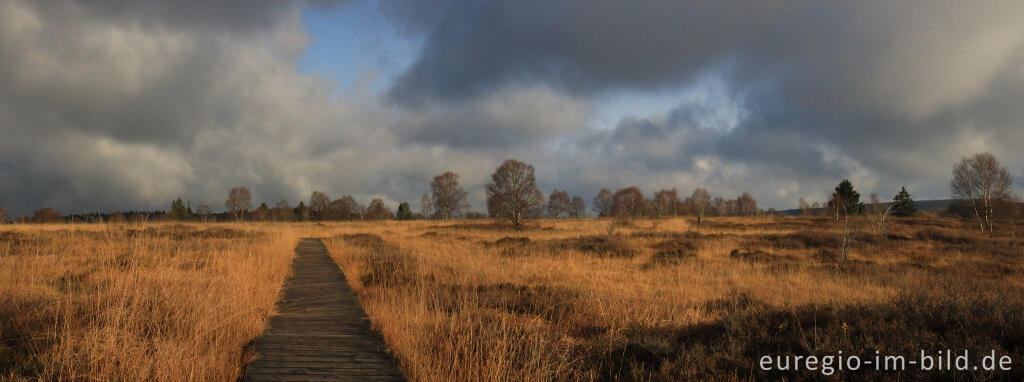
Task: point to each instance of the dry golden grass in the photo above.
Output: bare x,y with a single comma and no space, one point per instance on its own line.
561,300
658,299
149,302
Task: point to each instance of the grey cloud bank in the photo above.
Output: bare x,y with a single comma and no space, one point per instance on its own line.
120,105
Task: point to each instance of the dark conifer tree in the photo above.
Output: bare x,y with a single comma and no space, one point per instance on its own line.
849,198
902,204
404,212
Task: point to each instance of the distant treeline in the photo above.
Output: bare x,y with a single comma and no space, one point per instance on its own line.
982,185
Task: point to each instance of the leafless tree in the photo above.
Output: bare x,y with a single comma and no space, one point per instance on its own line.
448,198
46,215
983,181
746,205
239,202
700,200
603,202
513,192
577,208
3,215
426,206
881,211
344,208
732,207
666,202
319,202
719,205
282,212
628,203
836,205
377,210
559,204
805,208
204,212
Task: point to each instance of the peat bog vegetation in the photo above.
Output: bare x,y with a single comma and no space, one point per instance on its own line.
562,299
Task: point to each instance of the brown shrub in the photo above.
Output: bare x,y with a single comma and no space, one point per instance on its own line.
927,222
796,240
488,226
601,245
512,241
726,348
17,242
898,237
669,257
867,238
677,243
606,359
186,232
759,256
732,303
673,251
648,234
802,224
363,240
514,246
225,233
944,236
550,303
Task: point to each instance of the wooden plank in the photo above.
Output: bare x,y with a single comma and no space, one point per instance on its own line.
320,332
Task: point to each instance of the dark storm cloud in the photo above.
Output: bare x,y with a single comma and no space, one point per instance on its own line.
508,118
885,50
582,46
890,92
117,104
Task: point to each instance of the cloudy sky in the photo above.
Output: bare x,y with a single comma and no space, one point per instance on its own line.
117,104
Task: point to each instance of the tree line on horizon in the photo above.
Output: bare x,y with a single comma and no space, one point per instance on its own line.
513,195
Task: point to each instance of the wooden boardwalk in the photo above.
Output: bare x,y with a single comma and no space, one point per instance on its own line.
320,332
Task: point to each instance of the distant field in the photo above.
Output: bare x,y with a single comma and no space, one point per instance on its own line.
473,300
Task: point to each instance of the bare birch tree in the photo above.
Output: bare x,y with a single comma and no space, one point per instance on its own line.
881,212
239,202
665,202
426,206
204,212
983,181
700,200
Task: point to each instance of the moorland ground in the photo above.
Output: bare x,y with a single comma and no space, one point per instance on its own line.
654,299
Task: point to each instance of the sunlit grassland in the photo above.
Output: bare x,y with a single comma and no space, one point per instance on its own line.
661,299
